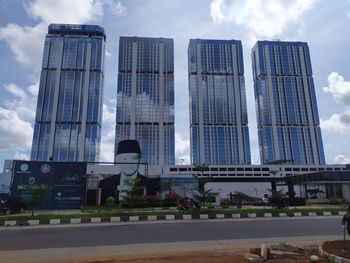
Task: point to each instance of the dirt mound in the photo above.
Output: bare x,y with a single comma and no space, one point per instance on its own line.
337,247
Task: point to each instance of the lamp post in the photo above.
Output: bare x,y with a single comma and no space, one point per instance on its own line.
273,183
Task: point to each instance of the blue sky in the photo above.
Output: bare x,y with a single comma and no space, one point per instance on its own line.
323,24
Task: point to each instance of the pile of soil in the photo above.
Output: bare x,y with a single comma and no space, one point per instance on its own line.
220,256
336,247
196,257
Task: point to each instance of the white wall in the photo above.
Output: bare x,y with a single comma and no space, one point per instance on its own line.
346,191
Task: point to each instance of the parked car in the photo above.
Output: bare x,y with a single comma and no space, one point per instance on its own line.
264,201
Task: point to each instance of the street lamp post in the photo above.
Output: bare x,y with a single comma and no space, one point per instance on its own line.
273,183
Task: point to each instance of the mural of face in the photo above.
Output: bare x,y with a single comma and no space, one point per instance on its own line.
129,163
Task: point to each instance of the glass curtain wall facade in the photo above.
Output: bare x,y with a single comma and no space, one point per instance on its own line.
287,114
145,97
69,108
218,109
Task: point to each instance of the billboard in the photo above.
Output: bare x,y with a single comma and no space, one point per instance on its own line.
128,169
66,182
183,185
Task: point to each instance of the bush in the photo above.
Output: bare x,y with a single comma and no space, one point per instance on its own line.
169,203
336,201
148,198
224,202
298,201
172,197
141,201
110,201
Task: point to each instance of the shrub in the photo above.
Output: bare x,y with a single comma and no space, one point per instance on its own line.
141,201
110,201
224,202
148,198
336,201
172,197
298,201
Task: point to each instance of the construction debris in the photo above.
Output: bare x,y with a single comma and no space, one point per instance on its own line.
282,251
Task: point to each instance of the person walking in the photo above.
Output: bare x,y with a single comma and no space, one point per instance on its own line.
346,220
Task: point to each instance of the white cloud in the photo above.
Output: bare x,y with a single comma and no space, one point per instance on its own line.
108,114
339,88
264,18
117,8
21,156
182,150
108,54
65,11
23,42
14,132
338,123
26,43
107,146
16,118
341,159
23,102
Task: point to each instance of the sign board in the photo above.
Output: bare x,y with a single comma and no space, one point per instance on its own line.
66,182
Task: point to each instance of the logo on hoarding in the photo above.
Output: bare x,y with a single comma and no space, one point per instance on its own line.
24,167
31,180
45,168
92,183
70,178
60,197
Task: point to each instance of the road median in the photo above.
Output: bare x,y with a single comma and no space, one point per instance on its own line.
156,215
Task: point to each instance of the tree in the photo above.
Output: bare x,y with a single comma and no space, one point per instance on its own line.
110,201
36,194
201,167
240,197
168,185
135,191
202,181
277,198
203,197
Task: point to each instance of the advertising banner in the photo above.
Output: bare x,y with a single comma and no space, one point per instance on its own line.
66,182
183,185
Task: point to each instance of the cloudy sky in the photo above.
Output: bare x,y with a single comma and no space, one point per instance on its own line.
323,24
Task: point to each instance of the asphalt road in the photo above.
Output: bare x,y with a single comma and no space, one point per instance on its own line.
141,233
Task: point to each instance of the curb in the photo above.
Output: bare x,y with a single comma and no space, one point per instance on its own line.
97,220
331,257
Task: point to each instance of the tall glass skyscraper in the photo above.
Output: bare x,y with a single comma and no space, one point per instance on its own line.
287,114
218,109
69,110
145,98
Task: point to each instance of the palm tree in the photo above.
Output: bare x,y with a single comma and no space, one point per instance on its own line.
202,181
202,167
169,185
203,197
277,198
